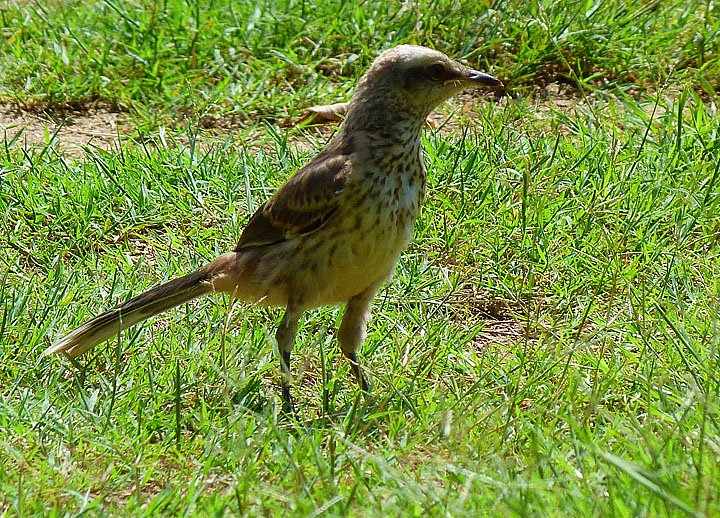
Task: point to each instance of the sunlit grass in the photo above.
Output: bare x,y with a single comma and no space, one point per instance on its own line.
549,343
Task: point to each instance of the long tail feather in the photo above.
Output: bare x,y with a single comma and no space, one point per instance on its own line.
142,307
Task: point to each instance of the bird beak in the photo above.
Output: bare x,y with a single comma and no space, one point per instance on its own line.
475,78
484,79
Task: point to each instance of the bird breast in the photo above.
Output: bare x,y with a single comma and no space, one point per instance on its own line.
359,245
380,218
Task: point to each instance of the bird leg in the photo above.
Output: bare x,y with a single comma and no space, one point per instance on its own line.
285,337
353,329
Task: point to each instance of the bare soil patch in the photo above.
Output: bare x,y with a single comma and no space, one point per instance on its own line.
100,126
70,131
501,329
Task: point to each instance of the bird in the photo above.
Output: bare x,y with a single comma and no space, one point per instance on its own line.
333,232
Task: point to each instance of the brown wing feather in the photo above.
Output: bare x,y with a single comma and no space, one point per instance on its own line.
303,204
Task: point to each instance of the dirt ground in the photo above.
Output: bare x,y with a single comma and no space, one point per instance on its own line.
71,132
101,127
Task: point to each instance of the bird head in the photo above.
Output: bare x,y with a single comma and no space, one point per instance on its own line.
410,80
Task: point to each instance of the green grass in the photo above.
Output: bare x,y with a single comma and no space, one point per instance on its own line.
266,59
548,346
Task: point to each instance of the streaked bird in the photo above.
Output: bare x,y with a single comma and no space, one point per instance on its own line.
333,232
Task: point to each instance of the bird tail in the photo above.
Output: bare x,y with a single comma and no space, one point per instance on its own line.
142,307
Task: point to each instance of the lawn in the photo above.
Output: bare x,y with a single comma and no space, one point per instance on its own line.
549,344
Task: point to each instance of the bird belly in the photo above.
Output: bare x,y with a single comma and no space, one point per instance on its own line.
354,250
360,263
333,266
361,249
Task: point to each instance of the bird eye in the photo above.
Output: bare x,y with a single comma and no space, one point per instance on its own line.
436,71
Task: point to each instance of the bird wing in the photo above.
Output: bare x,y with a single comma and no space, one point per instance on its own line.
303,204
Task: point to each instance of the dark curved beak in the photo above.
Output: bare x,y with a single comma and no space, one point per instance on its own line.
484,79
